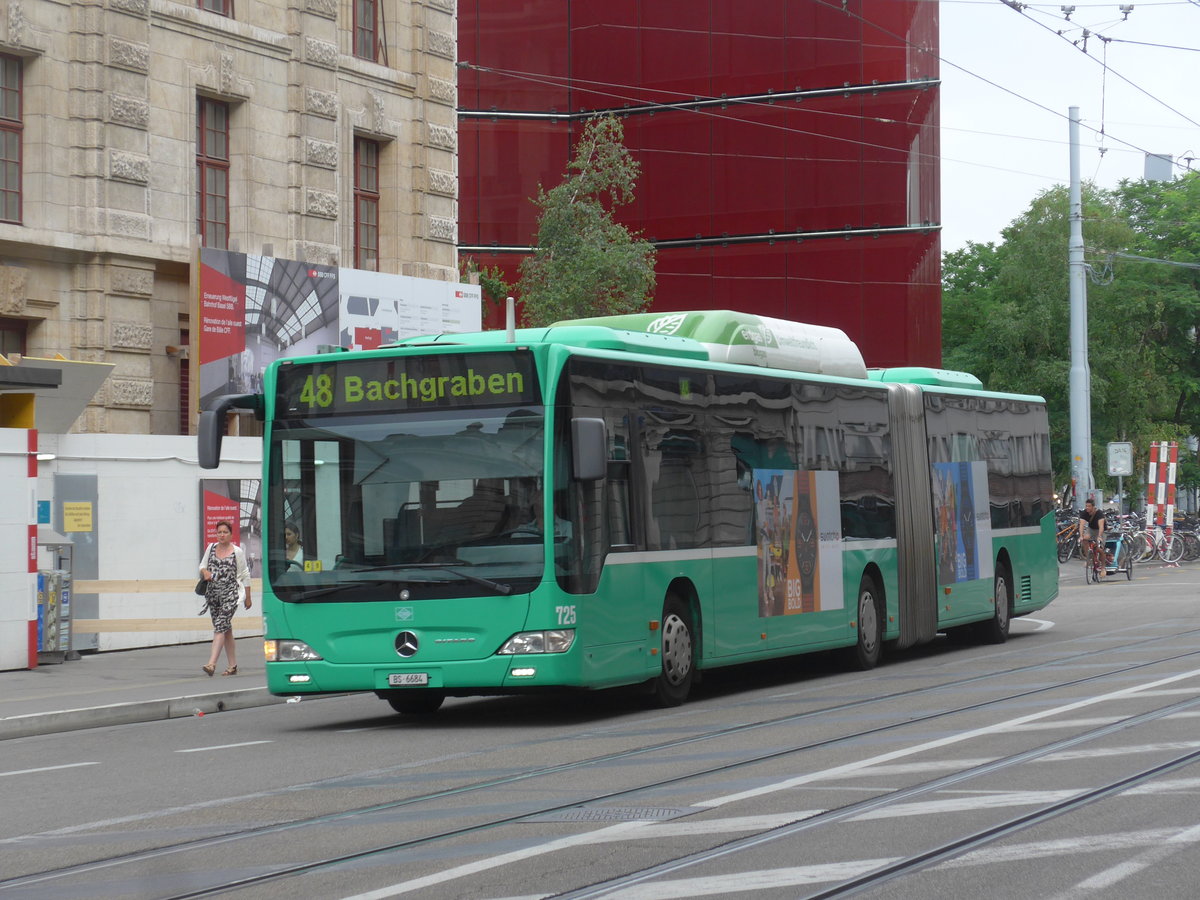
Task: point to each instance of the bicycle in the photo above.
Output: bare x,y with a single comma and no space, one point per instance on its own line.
1129,529
1068,541
1165,545
1091,563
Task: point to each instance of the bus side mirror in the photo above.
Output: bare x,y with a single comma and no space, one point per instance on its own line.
212,425
589,443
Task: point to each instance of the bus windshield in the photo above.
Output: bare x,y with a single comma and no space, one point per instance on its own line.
436,503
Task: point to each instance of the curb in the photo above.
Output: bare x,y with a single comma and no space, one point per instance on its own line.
134,712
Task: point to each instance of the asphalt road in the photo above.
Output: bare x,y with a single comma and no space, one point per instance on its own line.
1062,764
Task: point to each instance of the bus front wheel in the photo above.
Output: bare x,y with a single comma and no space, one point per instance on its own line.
414,703
677,651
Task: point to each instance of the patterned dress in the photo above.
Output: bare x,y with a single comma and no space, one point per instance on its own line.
223,590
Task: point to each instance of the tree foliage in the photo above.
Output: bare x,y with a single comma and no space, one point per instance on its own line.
1006,314
491,281
585,262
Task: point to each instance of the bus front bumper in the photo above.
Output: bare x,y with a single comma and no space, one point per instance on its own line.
499,674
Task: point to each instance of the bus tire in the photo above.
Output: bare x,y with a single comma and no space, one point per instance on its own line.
414,703
678,653
868,648
995,629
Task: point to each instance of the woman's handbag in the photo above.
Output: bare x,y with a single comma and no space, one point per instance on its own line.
202,590
202,584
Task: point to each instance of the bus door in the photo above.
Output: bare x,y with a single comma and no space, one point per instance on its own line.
750,546
602,573
675,507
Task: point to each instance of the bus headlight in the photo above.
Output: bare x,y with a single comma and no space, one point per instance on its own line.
289,651
539,642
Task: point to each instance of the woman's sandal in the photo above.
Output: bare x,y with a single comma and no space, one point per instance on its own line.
232,670
208,670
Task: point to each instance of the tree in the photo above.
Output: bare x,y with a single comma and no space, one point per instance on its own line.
585,262
1166,219
1006,313
492,285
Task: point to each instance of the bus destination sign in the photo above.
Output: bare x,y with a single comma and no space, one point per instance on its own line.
404,383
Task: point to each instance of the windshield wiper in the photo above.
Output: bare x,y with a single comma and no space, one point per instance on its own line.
453,569
496,586
345,586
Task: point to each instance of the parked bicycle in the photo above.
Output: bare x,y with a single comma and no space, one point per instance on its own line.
1159,543
1068,538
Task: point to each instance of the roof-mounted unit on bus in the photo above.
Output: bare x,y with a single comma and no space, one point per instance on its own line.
582,335
923,375
749,340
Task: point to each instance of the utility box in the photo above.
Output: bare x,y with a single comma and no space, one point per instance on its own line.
54,600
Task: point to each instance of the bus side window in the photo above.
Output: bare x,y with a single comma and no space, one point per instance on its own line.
618,510
620,531
674,472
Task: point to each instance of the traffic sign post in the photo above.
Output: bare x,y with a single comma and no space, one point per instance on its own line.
1120,463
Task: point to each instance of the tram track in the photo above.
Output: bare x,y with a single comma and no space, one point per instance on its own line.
979,839
944,851
359,813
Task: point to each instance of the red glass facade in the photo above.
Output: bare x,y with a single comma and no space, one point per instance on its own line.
789,149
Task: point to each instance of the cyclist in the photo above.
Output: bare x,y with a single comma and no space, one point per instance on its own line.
1091,532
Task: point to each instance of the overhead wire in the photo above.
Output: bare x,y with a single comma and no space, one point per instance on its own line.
1151,259
1018,7
612,90
1156,46
607,91
596,88
1103,122
627,94
1013,4
565,81
1010,3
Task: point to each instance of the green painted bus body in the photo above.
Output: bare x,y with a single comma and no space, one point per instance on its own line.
616,626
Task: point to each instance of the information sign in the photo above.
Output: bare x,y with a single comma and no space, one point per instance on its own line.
1120,458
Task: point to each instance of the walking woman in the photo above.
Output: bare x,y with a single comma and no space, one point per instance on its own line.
224,567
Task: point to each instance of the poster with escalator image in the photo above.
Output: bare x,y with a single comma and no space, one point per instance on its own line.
963,520
253,310
799,541
238,502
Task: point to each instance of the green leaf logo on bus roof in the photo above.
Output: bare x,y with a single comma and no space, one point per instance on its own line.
666,324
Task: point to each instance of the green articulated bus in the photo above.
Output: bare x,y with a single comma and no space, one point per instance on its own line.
632,501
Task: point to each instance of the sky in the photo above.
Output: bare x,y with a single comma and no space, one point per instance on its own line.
1009,80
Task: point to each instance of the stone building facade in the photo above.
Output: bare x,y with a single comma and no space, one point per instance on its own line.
99,265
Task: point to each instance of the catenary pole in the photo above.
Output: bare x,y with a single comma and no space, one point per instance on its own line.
1081,375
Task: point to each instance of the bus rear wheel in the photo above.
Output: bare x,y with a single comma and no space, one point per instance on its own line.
414,703
995,629
868,649
677,651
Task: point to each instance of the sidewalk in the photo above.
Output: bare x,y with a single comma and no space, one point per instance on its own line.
125,686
